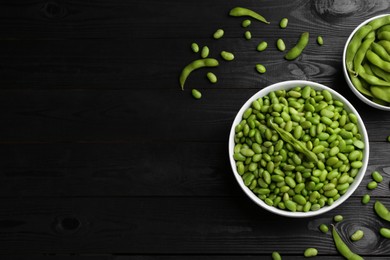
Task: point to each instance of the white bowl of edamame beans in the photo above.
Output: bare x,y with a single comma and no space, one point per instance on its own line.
298,148
366,62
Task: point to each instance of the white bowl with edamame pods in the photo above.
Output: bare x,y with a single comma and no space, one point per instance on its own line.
366,61
298,148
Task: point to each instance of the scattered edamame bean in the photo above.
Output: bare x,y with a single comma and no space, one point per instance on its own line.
218,34
342,247
276,256
228,56
280,45
388,138
196,94
204,53
241,11
338,218
262,46
381,210
385,232
377,176
248,35
246,23
310,252
324,228
212,77
366,199
196,64
320,40
283,23
357,235
260,68
195,47
372,185
294,52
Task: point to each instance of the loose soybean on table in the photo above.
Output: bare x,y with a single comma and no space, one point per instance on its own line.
104,156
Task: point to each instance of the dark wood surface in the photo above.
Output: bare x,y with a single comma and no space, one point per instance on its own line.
104,157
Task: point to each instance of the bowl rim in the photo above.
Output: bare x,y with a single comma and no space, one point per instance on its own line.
288,85
345,72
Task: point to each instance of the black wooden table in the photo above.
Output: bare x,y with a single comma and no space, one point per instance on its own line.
103,156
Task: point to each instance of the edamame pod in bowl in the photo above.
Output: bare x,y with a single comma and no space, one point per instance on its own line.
291,148
366,62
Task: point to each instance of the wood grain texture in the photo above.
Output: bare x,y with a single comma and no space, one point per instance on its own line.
177,226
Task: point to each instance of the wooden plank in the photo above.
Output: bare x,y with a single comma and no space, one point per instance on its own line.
176,226
174,19
136,169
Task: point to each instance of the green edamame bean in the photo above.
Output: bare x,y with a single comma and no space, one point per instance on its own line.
280,45
196,64
388,138
323,228
283,23
382,211
385,232
211,77
196,94
260,68
377,176
276,256
290,205
338,218
294,52
366,199
228,56
195,47
246,23
248,35
357,235
262,46
354,45
372,185
310,252
218,34
342,247
320,40
241,11
204,53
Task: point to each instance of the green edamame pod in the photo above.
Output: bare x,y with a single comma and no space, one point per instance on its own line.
384,28
370,79
375,24
382,211
380,51
342,247
241,11
361,54
196,64
381,92
294,52
385,35
380,73
280,45
218,34
377,61
354,45
385,44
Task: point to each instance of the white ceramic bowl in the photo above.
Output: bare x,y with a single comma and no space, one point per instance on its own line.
288,85
349,82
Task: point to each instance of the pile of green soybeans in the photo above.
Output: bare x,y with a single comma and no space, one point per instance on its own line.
368,60
298,149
